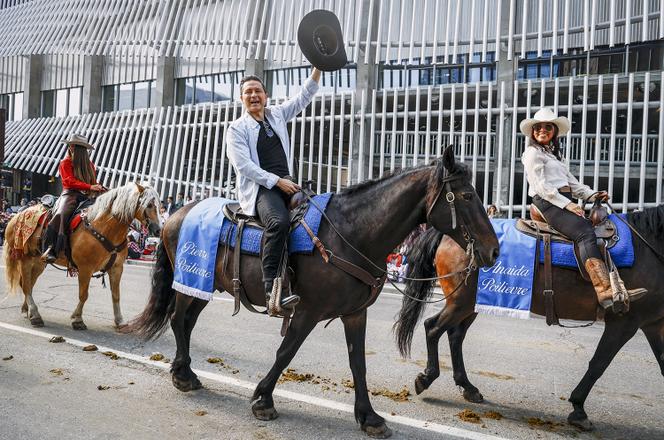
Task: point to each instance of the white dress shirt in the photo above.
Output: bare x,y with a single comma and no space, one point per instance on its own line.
242,145
546,174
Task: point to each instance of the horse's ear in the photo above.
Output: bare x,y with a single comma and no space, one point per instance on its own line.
140,188
448,158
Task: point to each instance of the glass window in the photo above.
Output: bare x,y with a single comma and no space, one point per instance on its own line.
61,103
223,86
125,97
108,98
153,93
47,103
74,101
142,94
18,106
204,89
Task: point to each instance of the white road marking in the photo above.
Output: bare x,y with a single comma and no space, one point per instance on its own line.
291,395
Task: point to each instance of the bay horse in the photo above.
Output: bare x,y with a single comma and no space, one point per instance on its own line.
110,216
575,299
373,217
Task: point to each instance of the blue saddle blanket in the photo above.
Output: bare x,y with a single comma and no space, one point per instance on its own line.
299,241
205,227
622,253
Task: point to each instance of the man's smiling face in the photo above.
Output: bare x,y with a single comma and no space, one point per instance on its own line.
253,96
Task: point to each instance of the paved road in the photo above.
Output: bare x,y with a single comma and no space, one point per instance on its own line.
524,369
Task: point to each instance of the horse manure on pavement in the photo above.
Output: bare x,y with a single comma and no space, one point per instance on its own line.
401,396
8,358
102,387
536,422
215,360
56,371
90,347
56,339
290,375
110,354
200,413
495,415
469,416
156,357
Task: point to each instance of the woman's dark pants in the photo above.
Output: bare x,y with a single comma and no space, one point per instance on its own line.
57,227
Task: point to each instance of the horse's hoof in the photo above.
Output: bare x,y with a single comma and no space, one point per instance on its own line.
79,325
196,384
184,385
421,383
580,422
37,322
120,328
473,396
381,431
265,414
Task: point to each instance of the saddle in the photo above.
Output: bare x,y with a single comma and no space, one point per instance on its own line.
605,231
233,212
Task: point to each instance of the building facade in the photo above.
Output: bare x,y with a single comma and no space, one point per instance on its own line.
154,85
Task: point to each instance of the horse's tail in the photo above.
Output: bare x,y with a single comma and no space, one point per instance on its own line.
151,323
420,265
12,263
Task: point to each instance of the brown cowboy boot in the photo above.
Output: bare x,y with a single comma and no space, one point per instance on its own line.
607,288
599,275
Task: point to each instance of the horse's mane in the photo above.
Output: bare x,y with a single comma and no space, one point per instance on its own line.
435,181
650,221
122,202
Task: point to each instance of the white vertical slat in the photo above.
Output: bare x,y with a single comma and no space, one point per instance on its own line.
321,145
427,137
379,32
457,19
464,112
389,34
499,18
612,139
439,130
189,143
473,18
612,23
416,136
206,186
628,21
485,31
312,131
487,145
452,113
476,130
644,22
515,100
303,128
340,145
434,50
540,27
628,142
350,139
413,25
229,168
447,30
644,140
566,27
598,132
584,130
524,27
383,125
510,39
150,148
524,181
291,155
585,26
593,20
661,31
199,150
330,143
404,138
173,153
358,20
221,138
162,144
570,102
424,23
372,134
660,143
393,137
360,161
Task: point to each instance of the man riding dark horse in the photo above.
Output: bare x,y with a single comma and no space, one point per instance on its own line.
258,149
79,182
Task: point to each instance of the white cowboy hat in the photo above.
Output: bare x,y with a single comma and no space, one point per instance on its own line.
545,114
77,139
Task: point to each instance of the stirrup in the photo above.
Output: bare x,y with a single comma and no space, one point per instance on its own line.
48,257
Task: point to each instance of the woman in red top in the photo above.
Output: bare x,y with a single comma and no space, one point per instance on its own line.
78,181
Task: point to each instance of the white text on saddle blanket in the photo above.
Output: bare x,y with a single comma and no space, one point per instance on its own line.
502,287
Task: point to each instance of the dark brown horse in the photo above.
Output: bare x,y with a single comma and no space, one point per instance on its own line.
374,217
575,299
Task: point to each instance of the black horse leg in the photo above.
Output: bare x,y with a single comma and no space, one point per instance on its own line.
299,329
190,319
180,370
655,335
456,335
355,327
616,334
434,328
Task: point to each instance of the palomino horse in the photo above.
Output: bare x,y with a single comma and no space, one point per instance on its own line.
110,216
374,217
575,299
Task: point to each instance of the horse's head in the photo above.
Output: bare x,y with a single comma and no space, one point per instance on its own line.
454,209
147,209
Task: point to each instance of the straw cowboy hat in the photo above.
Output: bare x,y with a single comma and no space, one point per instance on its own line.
321,42
77,139
545,114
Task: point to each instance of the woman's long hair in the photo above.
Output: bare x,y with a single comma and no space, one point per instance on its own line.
554,144
83,170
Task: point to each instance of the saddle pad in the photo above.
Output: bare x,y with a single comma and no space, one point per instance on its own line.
26,223
75,222
299,241
505,289
562,254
